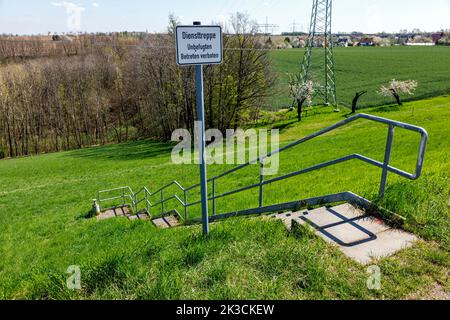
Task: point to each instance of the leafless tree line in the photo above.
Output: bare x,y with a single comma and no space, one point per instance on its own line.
116,93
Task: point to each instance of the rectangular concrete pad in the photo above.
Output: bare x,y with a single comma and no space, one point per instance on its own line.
322,217
372,224
349,211
386,244
347,233
388,241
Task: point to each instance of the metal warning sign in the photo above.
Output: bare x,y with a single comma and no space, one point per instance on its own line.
199,45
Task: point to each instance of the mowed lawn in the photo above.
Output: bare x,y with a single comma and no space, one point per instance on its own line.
367,68
44,201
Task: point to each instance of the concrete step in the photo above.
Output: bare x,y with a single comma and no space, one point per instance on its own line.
360,237
122,212
166,222
114,212
139,216
286,217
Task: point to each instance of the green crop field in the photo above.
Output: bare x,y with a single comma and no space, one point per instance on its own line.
45,228
367,68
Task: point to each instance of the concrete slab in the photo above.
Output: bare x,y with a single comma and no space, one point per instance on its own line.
322,217
373,225
351,230
348,211
346,233
386,244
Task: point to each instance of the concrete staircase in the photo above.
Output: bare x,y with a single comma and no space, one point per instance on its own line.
359,236
122,211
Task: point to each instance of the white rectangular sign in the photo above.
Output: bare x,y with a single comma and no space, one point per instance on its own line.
199,45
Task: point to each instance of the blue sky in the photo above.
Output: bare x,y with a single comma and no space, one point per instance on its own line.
42,16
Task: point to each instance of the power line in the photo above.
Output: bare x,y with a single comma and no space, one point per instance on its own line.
294,26
266,26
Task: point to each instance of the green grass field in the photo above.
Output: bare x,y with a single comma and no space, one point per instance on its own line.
44,201
367,68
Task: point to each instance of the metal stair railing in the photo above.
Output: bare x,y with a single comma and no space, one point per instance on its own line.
385,166
125,193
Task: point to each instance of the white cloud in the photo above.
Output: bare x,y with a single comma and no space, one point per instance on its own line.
95,4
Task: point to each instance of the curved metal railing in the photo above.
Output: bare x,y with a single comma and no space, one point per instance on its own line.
385,166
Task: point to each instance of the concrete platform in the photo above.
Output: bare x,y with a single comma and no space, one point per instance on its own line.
360,237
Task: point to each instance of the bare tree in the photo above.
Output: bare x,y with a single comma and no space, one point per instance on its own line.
358,95
61,95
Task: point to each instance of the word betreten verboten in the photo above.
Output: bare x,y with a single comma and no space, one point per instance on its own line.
198,56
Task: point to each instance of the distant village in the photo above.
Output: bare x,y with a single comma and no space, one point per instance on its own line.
357,39
69,44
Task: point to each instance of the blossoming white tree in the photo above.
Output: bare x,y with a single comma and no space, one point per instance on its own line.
301,91
396,88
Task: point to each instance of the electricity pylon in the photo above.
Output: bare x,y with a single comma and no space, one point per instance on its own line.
320,36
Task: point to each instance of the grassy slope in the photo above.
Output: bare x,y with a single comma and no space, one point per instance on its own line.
43,199
368,68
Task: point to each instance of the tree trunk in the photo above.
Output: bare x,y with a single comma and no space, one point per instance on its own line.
355,100
300,108
397,98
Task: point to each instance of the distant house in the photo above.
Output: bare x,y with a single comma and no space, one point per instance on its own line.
366,42
420,40
437,36
342,42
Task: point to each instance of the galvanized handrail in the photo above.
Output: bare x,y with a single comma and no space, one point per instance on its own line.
123,196
385,165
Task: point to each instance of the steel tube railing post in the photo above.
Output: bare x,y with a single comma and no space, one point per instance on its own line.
100,201
123,197
162,202
261,183
185,206
146,202
387,160
214,196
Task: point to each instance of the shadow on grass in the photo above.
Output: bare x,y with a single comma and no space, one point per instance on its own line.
285,125
128,151
387,108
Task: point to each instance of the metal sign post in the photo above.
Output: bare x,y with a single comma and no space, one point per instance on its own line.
198,45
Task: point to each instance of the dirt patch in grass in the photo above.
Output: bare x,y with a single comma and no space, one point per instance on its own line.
434,292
